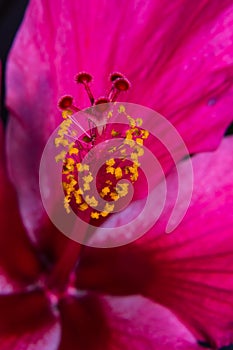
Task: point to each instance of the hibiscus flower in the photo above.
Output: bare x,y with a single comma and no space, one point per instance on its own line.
184,72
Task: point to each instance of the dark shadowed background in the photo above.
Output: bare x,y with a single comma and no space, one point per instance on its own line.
11,14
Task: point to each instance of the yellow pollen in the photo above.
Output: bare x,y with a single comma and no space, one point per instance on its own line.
140,151
64,127
104,213
83,206
108,207
108,182
113,149
60,156
91,201
131,120
139,121
121,109
105,191
122,189
66,114
110,162
134,156
118,173
66,203
136,131
139,141
114,196
69,164
110,170
114,133
131,143
78,197
79,191
82,167
128,135
88,178
73,150
144,134
61,141
86,186
95,215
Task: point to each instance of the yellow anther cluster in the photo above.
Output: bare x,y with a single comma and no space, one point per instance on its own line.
110,162
139,121
88,178
144,134
114,196
130,143
60,141
122,189
78,197
121,109
68,165
127,164
110,114
139,141
114,133
118,173
63,141
108,208
83,206
110,170
60,156
91,201
105,191
67,200
82,167
66,114
73,150
69,188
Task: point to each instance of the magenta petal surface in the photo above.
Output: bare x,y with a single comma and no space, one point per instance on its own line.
189,270
98,322
18,262
27,323
179,64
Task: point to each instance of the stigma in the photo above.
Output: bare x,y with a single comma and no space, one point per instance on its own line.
119,83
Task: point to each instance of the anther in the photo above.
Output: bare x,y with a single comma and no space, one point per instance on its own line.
66,103
85,78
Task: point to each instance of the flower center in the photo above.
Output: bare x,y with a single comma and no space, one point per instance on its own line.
102,163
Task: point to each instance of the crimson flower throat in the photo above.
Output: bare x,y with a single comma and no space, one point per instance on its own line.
101,159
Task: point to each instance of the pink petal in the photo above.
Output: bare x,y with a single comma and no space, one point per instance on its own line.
96,323
18,262
180,64
27,323
189,270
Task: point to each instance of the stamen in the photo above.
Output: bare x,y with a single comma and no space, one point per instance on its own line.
85,78
66,104
114,76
